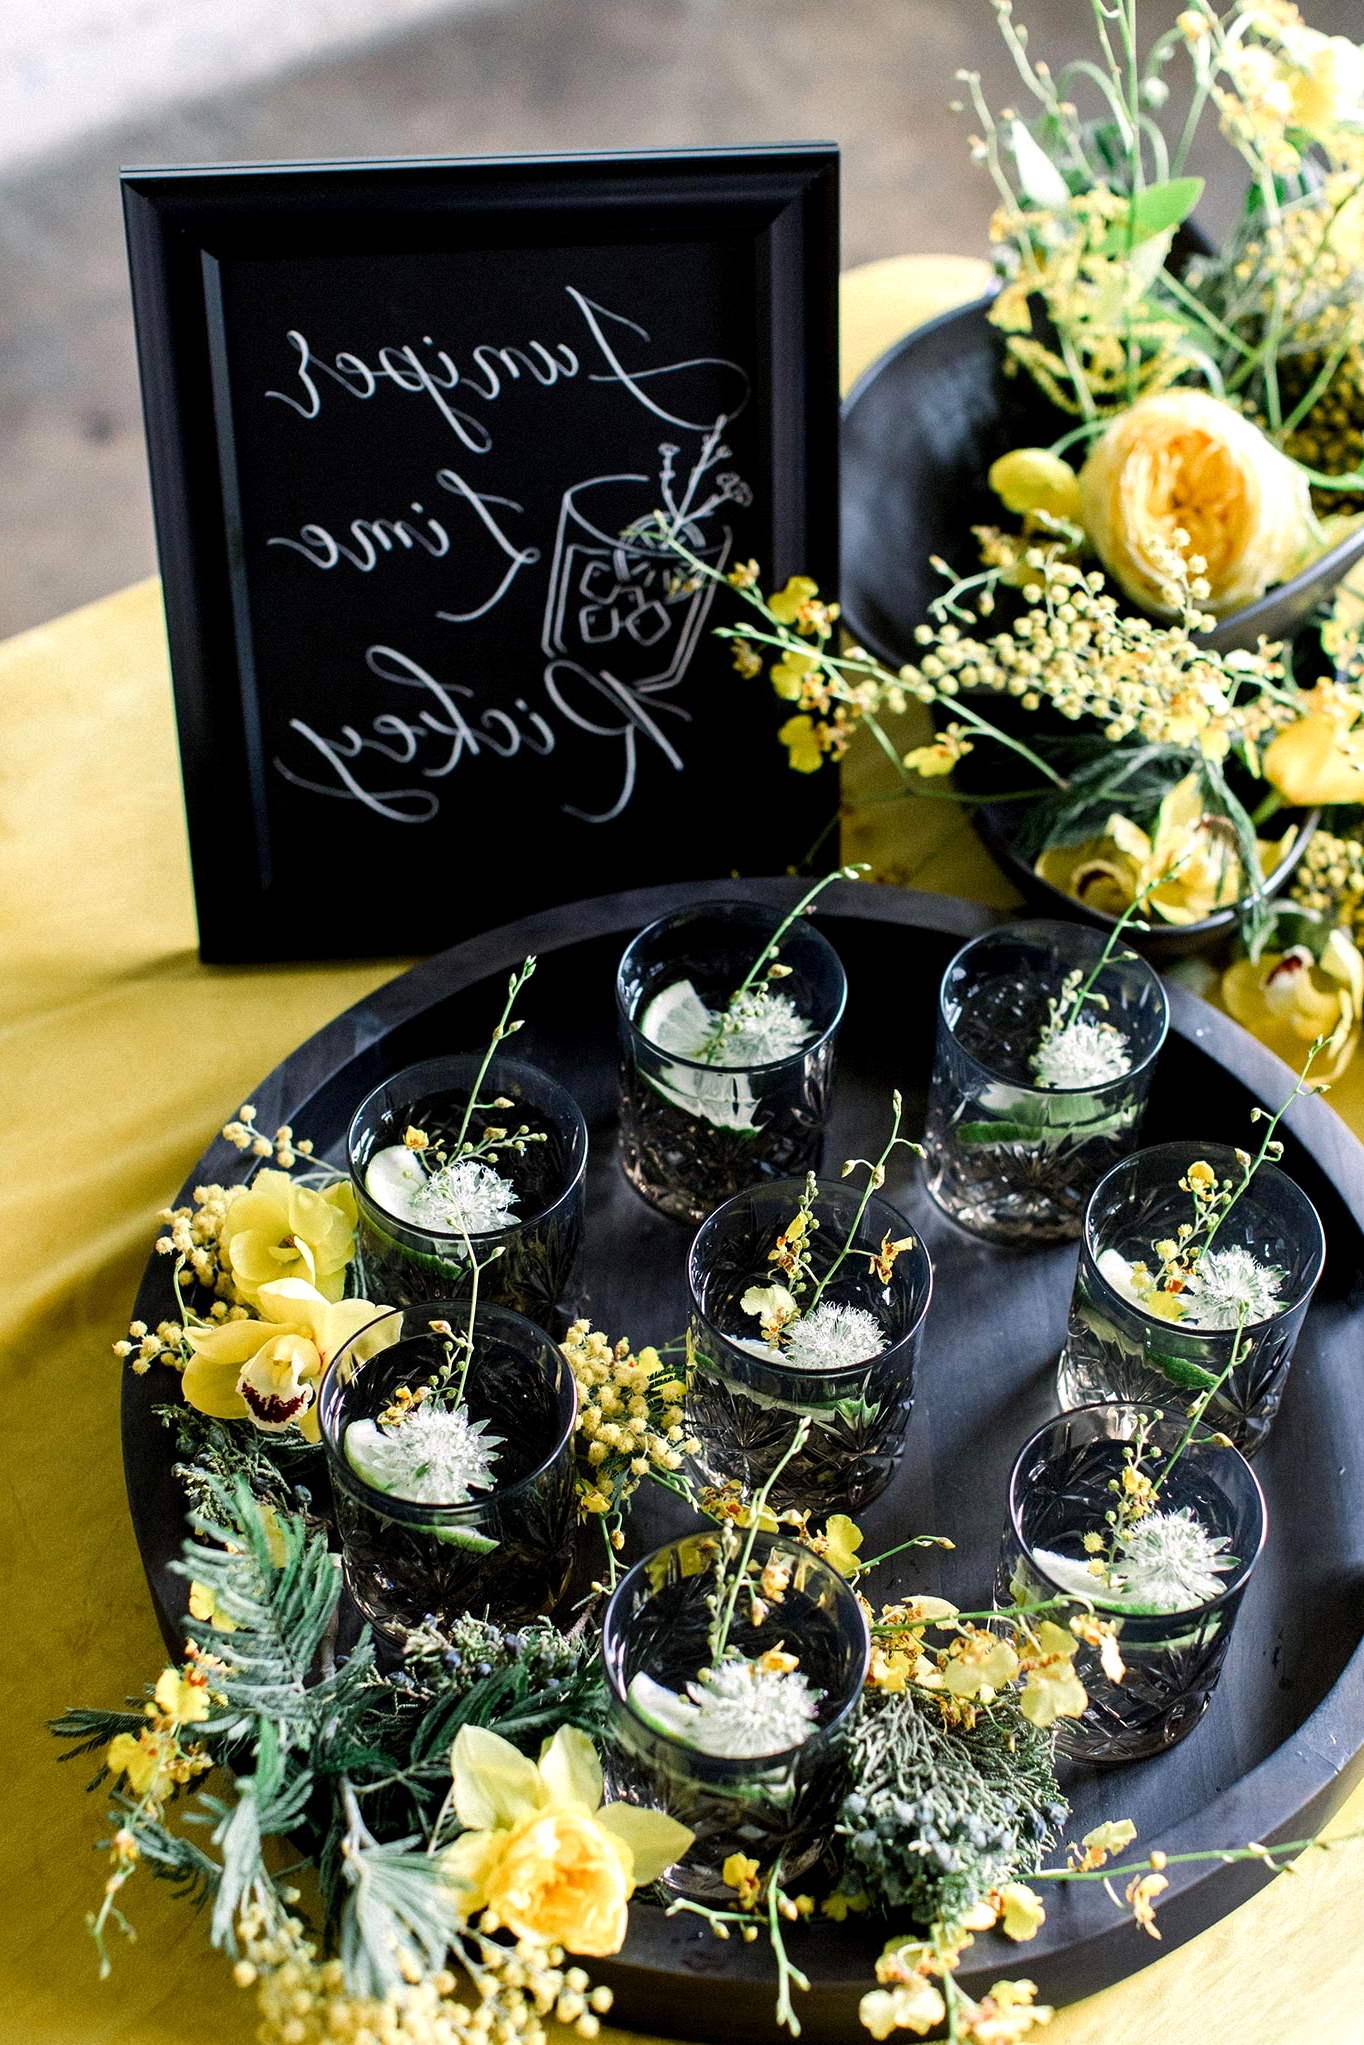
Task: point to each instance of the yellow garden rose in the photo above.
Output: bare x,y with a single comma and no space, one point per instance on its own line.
1319,757
1288,999
276,1228
269,1370
540,1853
1183,461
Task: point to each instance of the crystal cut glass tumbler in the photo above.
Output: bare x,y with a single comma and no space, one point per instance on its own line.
507,1553
1007,1158
404,1264
1115,1350
774,1807
1059,1492
692,1134
744,1407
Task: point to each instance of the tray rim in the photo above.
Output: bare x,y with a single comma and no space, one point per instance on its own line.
1297,1786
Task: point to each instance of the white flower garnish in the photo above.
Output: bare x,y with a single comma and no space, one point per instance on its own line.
677,1020
1168,1562
1085,1052
433,1455
464,1196
1226,1288
738,1710
832,1337
1230,1287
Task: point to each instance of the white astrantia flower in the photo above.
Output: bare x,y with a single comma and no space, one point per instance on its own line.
465,1195
739,1710
832,1337
1167,1562
433,1455
1230,1287
678,1020
1086,1052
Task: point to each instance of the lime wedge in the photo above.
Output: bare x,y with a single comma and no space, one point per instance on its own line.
662,1709
678,1020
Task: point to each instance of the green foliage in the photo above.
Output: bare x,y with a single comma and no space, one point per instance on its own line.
937,1815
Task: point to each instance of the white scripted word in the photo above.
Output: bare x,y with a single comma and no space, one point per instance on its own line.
449,729
368,540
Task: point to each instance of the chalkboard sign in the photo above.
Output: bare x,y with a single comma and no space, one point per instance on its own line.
408,424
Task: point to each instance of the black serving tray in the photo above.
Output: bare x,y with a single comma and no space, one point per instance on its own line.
1280,1746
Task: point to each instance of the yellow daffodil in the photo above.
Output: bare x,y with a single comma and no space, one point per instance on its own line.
842,1539
1288,999
1032,479
1021,1912
275,1228
1320,757
269,1371
801,740
540,1853
1191,854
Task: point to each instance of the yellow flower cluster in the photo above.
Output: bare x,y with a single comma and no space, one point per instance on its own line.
283,1146
1330,882
630,1420
909,1968
1074,260
976,1664
1280,86
1075,648
520,1990
154,1761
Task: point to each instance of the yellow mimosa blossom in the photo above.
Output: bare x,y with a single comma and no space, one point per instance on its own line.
269,1371
275,1228
1288,999
540,1853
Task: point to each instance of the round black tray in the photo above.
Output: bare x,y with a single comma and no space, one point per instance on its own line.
1279,1747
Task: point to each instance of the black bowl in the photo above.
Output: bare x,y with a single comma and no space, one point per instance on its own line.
920,430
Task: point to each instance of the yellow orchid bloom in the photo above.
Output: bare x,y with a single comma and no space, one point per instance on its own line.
1194,851
801,740
842,1539
787,604
788,674
269,1370
276,1229
1288,999
540,1853
1022,1914
1320,757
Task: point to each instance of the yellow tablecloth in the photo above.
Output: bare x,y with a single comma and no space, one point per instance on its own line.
122,1053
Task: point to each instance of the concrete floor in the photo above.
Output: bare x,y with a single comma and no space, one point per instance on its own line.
522,75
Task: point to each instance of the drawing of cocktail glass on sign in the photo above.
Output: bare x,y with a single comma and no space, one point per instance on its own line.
616,603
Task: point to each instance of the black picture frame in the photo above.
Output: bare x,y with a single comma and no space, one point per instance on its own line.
280,282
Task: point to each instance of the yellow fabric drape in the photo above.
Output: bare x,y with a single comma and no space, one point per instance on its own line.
122,1054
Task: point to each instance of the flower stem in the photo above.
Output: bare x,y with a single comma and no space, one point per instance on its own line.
514,986
876,1176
